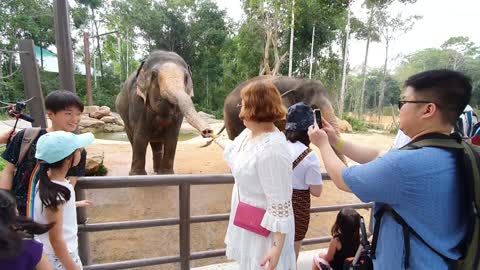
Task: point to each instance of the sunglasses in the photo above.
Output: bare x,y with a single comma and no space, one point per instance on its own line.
403,102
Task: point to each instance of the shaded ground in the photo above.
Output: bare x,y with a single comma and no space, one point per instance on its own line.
162,202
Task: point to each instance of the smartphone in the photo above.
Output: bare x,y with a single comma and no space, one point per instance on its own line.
317,116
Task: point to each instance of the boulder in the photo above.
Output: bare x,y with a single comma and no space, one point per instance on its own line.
118,118
344,126
105,108
109,119
90,109
90,125
100,113
94,162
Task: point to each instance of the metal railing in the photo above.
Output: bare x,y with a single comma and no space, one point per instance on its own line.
184,182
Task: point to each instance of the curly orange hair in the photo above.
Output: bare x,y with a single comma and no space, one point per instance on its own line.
262,103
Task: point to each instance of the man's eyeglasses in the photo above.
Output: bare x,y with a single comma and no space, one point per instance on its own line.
403,102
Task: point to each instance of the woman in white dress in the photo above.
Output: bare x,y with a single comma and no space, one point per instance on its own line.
262,167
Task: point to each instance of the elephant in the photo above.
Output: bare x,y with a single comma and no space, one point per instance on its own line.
293,90
152,103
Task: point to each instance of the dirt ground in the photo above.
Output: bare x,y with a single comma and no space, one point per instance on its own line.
162,202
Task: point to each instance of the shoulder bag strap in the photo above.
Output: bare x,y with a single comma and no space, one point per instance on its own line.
301,157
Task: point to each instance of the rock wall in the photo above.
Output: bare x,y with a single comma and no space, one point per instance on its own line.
100,119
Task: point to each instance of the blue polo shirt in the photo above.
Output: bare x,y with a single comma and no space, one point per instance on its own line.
423,187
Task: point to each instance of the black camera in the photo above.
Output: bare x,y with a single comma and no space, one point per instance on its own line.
16,111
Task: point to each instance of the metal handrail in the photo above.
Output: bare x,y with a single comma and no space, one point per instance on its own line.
184,220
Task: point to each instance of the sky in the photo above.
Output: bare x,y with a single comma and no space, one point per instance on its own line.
441,20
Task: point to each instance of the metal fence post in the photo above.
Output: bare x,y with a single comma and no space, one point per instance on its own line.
184,205
83,241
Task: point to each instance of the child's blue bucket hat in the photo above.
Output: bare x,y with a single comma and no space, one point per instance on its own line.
57,145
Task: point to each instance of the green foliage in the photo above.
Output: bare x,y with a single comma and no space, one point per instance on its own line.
358,125
2,161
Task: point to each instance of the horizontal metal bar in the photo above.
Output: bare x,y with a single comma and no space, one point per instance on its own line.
337,207
101,182
314,241
133,263
124,225
207,254
210,218
152,180
194,256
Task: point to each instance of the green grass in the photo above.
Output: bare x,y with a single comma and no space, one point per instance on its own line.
358,125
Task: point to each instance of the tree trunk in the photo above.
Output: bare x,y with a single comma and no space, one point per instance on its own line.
341,102
1,75
364,68
98,43
265,67
41,56
384,82
290,60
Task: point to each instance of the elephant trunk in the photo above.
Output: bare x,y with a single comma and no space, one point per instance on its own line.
193,118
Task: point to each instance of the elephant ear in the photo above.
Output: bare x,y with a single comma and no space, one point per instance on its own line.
142,86
189,82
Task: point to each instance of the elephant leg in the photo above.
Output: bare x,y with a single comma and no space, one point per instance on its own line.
157,153
139,150
166,163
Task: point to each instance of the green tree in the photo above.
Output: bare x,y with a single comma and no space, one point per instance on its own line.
391,27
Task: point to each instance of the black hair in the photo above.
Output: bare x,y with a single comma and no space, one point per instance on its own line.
300,136
52,194
13,227
347,228
60,100
450,90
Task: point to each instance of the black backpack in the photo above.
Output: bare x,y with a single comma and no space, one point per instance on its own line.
469,162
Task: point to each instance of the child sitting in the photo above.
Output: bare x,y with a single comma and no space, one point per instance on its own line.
16,251
345,241
54,197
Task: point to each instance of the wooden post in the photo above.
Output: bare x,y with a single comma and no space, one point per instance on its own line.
31,80
63,42
88,75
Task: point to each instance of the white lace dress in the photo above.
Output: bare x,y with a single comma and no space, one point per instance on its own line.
262,168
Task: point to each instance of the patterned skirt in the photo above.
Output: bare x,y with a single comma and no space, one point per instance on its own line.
301,211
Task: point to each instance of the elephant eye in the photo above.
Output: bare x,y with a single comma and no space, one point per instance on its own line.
186,79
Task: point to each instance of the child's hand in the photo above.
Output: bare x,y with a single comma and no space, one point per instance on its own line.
84,203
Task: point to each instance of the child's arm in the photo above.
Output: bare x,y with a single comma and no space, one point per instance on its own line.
83,203
332,249
56,238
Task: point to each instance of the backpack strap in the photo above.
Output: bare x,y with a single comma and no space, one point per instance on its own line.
407,231
301,157
28,138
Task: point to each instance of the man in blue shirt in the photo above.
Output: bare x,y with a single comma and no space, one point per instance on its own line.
423,186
